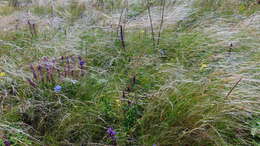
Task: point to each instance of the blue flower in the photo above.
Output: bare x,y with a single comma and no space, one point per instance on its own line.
111,132
81,63
57,88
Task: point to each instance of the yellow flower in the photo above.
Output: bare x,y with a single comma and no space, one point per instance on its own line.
2,74
142,31
203,66
118,102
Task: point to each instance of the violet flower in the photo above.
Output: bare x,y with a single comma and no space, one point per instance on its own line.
45,59
73,62
34,72
111,133
7,143
40,72
68,65
81,63
47,66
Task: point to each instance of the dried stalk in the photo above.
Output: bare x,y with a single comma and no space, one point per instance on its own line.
162,20
120,19
234,87
151,21
122,39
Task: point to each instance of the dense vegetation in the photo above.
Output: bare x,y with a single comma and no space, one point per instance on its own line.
98,73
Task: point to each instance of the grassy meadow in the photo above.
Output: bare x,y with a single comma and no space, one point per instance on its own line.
130,73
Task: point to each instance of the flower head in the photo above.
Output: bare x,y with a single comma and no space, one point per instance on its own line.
118,102
39,68
2,74
57,88
7,143
111,132
203,66
81,63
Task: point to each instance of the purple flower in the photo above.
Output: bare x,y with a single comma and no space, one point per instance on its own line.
81,63
7,143
67,59
33,71
45,59
111,132
57,88
39,68
68,64
40,71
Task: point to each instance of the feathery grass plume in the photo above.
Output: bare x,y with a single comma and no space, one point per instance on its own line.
14,3
175,98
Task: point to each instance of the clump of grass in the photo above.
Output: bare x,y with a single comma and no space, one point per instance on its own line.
73,11
228,7
6,10
190,114
42,10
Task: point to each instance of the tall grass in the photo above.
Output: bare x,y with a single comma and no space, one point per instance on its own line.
167,97
228,7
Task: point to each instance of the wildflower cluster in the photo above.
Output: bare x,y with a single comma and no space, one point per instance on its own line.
7,143
56,69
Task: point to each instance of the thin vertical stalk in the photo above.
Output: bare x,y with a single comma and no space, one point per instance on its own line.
122,36
151,21
162,20
233,88
120,19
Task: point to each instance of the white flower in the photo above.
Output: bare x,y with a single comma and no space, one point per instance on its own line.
74,81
